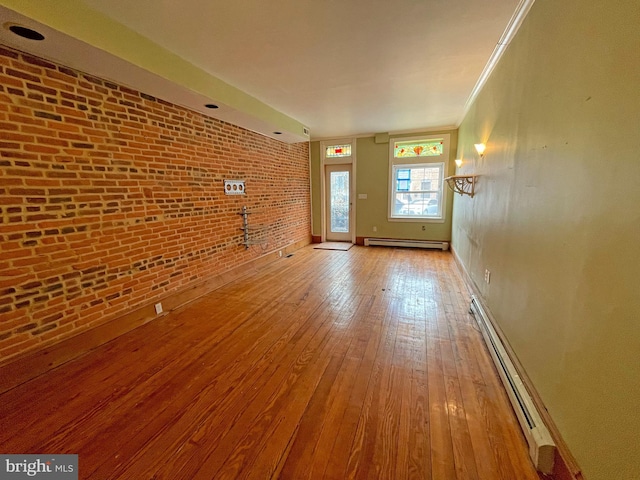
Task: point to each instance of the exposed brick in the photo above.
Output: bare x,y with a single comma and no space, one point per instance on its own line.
41,149
43,329
11,82
50,116
26,191
40,88
54,174
68,71
15,92
40,217
35,96
37,61
52,318
28,326
19,172
8,53
23,75
114,207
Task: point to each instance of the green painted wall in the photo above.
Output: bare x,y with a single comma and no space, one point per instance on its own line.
556,219
372,178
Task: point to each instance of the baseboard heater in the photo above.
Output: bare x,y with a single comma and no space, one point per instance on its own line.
541,445
387,242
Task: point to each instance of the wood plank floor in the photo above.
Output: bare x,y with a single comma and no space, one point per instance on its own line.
327,364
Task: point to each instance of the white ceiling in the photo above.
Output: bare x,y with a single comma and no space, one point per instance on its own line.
342,68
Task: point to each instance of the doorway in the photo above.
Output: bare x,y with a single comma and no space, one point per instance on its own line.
339,203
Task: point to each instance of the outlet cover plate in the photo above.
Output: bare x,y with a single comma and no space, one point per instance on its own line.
234,187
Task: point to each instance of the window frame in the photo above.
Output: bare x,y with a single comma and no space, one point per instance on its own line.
395,164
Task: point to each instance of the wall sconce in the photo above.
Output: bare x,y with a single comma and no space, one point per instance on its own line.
462,184
465,184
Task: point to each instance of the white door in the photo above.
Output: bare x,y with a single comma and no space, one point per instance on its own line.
338,208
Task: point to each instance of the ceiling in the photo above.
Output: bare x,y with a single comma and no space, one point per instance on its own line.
340,68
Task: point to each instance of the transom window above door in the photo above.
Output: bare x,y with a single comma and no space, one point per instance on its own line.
336,151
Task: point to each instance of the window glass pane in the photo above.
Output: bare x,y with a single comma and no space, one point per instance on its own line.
424,148
417,204
419,195
420,178
403,185
404,174
339,189
401,202
335,151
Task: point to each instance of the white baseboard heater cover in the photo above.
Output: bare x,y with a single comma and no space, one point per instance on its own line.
387,242
541,445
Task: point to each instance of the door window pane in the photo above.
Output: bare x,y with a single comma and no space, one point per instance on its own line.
339,202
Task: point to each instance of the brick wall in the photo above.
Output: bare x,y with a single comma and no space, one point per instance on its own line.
111,199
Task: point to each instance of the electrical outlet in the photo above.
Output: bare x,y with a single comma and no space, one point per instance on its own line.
375,229
280,253
158,308
424,228
487,276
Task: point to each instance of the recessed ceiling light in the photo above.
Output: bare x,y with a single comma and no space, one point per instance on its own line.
211,105
277,133
25,32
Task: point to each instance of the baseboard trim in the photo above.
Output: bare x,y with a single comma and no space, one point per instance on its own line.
565,466
25,367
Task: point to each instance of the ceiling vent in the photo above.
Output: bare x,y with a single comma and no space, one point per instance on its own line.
305,130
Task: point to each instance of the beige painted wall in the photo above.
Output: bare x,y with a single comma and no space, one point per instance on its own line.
372,178
556,219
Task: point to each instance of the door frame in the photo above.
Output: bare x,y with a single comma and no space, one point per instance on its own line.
324,161
338,236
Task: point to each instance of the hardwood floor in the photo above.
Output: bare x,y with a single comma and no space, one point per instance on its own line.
327,364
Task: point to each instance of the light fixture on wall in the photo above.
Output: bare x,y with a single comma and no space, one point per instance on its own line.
462,184
480,148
